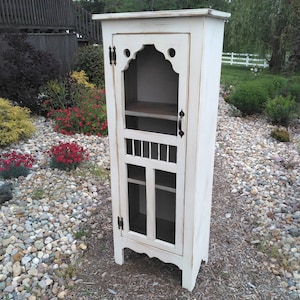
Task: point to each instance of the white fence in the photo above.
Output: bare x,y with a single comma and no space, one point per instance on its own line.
244,59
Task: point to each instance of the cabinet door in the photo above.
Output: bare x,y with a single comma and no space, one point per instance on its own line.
151,94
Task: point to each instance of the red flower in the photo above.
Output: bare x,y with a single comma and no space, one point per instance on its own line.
12,162
67,155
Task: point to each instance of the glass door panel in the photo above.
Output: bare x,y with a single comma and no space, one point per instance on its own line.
165,209
165,205
137,199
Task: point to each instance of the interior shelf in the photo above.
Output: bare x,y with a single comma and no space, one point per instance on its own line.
152,110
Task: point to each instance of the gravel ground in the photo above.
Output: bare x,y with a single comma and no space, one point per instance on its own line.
56,233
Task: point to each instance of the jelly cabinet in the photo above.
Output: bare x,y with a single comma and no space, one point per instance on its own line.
162,75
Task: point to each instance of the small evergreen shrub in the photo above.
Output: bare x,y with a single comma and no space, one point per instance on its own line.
281,110
15,123
82,79
25,70
249,98
274,85
294,89
268,84
90,59
280,135
280,86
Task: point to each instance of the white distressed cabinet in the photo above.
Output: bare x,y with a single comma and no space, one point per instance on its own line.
162,74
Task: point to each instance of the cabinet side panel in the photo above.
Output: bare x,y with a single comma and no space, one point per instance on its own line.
206,133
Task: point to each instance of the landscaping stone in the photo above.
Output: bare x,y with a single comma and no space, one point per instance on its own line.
38,229
6,190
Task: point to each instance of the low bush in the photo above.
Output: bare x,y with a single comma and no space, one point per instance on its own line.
249,97
13,164
25,70
281,110
268,84
90,59
280,135
274,85
15,123
294,89
67,92
88,117
82,79
67,156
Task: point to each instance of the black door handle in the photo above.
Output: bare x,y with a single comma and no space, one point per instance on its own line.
180,131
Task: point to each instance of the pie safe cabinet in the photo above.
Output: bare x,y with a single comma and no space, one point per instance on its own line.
162,74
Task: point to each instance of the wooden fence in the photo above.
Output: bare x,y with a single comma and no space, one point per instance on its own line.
37,14
85,27
244,59
47,16
55,26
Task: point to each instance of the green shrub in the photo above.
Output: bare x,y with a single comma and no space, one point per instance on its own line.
280,135
90,59
64,93
249,97
88,117
281,110
15,123
25,70
266,83
294,89
274,85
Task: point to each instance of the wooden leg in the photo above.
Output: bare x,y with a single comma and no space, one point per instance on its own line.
189,277
119,255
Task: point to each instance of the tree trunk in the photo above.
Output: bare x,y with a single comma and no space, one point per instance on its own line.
277,58
293,64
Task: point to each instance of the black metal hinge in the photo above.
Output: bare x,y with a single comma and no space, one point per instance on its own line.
112,55
120,223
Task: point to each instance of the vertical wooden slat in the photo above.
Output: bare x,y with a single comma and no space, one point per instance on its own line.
6,8
13,12
19,12
26,9
30,16
43,9
23,14
8,12
36,10
3,19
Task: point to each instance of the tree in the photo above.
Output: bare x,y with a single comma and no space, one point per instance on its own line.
146,5
267,27
94,6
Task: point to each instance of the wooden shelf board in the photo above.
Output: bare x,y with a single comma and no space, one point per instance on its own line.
152,110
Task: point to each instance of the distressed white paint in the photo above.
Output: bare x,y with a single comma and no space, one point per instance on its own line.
196,36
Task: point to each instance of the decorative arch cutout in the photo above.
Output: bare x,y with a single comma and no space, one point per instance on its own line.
150,77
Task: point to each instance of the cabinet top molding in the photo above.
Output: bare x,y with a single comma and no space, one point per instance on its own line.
205,12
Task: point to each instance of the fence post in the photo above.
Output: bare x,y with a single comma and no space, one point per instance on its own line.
247,59
231,58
